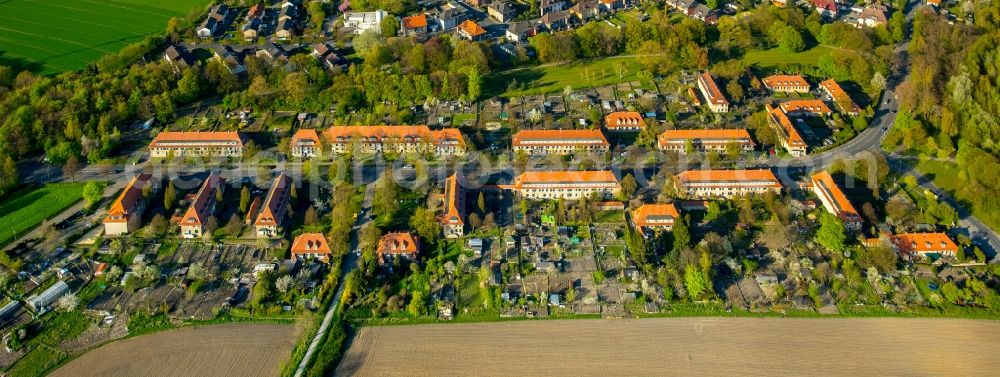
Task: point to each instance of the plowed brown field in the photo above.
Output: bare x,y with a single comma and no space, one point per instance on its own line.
680,346
219,350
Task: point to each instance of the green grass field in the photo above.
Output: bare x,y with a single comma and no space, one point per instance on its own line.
945,175
37,362
27,209
51,36
776,56
549,79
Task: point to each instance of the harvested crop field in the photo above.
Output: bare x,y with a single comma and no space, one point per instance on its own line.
219,350
685,346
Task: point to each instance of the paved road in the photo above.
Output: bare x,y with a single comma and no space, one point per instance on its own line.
350,263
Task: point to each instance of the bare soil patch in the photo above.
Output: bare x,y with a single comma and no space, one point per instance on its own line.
218,350
679,346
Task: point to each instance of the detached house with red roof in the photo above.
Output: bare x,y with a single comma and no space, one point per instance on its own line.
398,245
626,121
826,8
704,140
717,102
202,207
453,218
196,144
470,30
126,212
923,244
649,217
413,25
835,201
727,183
542,142
311,246
565,184
273,209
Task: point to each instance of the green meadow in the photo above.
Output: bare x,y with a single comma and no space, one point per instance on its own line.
51,36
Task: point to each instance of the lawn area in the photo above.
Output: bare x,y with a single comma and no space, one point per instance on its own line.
36,362
27,209
945,175
553,78
776,56
61,35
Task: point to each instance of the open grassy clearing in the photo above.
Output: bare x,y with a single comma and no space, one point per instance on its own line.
945,175
218,350
27,209
777,56
682,346
553,78
59,35
36,362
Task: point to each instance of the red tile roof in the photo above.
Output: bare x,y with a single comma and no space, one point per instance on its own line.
805,106
559,137
706,136
453,214
825,182
924,243
132,193
398,243
180,139
304,136
784,80
839,95
195,212
566,176
714,94
471,28
273,208
414,22
792,136
624,119
722,176
310,243
655,215
342,134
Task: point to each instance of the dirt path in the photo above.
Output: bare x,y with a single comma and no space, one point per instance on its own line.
680,346
220,350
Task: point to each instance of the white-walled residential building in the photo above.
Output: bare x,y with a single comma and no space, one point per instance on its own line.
727,183
541,142
306,143
704,140
196,144
835,201
365,21
717,102
565,184
126,212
